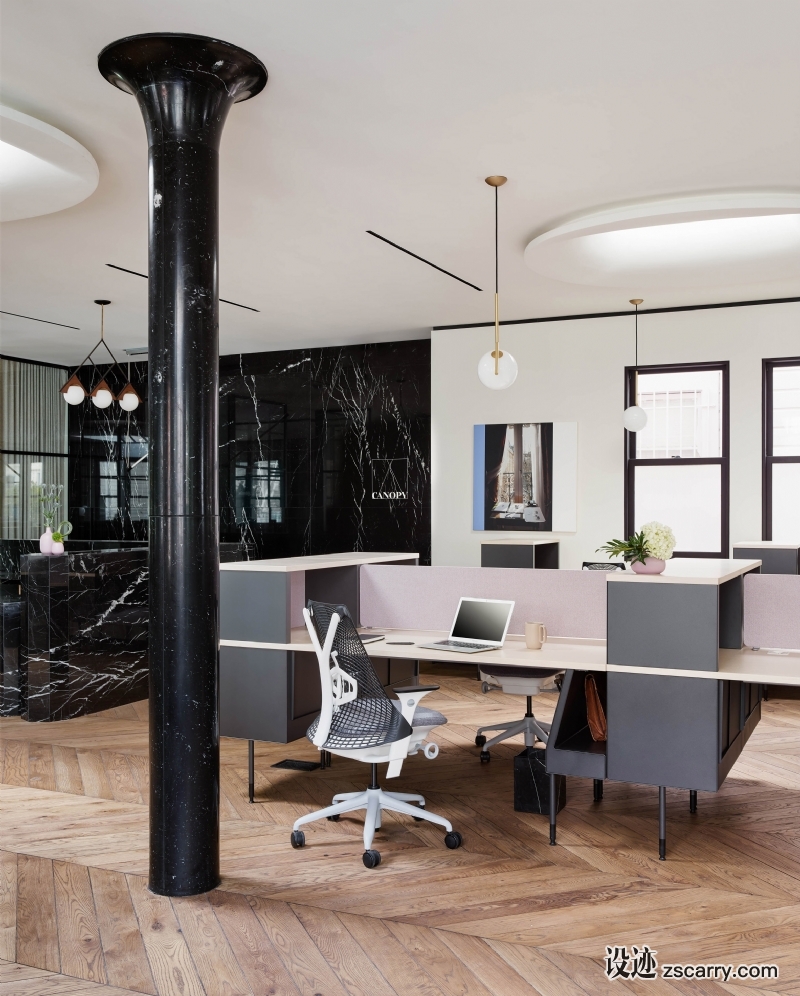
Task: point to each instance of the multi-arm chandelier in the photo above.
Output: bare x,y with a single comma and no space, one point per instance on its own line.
101,394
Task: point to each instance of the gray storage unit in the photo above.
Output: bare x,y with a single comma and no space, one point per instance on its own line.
273,694
776,558
541,555
677,731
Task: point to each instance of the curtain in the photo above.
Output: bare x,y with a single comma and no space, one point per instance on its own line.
495,443
33,442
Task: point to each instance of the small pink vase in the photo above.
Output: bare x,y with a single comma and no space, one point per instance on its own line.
651,565
46,542
57,548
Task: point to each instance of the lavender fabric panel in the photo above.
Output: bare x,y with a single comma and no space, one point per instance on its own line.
772,611
569,603
297,598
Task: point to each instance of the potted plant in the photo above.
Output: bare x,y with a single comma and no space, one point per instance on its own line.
646,551
51,542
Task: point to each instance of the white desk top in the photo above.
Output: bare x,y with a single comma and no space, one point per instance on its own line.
765,666
561,652
287,564
765,545
778,667
520,541
689,570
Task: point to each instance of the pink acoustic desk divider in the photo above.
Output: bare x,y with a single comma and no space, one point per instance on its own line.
569,603
772,611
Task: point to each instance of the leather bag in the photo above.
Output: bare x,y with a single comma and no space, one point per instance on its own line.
595,715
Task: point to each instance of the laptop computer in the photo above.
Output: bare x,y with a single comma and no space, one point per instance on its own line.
480,624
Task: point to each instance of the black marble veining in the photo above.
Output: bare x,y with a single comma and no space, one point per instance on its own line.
10,620
327,450
185,86
83,633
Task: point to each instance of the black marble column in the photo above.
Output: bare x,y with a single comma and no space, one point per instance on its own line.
185,86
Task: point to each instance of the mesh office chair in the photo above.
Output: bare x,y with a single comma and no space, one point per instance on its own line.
359,720
514,680
592,565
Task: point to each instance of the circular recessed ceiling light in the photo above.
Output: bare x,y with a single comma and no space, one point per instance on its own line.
678,242
41,169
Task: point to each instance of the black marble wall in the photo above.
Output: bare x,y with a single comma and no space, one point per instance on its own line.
108,472
307,437
83,633
327,450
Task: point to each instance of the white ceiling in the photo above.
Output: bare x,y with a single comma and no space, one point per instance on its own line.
388,116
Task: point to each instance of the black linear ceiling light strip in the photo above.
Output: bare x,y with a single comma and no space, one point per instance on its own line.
222,299
423,260
621,314
44,321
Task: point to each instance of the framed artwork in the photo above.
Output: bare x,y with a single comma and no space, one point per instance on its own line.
525,477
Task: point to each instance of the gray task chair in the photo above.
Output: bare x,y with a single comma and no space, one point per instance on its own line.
514,680
360,721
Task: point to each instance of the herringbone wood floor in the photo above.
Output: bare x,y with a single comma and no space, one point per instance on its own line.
503,916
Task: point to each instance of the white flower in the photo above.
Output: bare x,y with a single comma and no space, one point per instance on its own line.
660,540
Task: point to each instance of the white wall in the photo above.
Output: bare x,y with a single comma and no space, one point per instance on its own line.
574,371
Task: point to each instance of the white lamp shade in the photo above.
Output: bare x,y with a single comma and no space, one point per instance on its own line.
507,371
102,398
634,418
129,401
74,395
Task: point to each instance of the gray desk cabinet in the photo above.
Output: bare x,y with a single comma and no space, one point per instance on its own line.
776,558
273,694
677,731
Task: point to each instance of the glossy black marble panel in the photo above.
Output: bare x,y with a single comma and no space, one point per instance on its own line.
327,450
83,633
10,633
108,464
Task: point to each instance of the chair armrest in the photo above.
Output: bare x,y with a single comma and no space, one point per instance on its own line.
406,689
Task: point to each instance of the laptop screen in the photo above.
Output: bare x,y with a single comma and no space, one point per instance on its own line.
481,620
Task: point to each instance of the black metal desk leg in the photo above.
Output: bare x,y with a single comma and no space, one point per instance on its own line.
692,801
553,808
251,768
598,789
662,823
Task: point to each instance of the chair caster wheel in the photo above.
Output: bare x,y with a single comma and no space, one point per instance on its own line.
334,819
419,819
371,859
485,687
453,840
298,838
485,757
480,740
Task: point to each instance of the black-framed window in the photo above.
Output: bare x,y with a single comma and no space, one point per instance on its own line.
677,469
780,507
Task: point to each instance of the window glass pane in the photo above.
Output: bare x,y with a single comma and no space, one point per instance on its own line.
786,411
684,414
786,502
687,498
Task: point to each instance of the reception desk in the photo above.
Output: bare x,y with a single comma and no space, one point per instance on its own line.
82,633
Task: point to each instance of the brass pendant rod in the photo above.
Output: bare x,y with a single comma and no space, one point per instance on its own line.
496,292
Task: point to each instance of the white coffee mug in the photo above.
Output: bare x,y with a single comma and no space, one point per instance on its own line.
535,635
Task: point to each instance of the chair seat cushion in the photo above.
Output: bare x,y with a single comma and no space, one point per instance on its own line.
511,671
423,716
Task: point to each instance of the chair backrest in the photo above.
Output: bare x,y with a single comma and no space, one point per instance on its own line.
356,711
589,565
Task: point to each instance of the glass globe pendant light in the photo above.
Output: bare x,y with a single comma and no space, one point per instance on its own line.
634,418
497,369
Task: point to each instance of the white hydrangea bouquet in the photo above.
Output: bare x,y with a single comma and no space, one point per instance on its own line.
646,551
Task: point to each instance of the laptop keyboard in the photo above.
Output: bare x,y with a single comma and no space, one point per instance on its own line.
457,644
